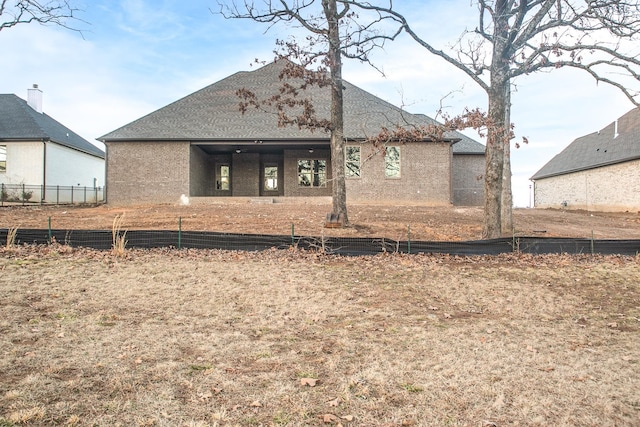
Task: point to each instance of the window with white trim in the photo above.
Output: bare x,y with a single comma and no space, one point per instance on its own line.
312,173
352,161
223,178
392,162
270,177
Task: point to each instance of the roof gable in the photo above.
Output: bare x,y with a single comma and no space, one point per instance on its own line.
212,113
616,143
18,121
465,145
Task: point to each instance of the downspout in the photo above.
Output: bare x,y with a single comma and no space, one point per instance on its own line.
44,170
451,166
106,172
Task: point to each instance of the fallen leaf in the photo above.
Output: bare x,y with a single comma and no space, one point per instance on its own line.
329,418
311,382
347,417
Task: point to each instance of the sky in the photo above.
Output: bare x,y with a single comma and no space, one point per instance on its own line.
133,57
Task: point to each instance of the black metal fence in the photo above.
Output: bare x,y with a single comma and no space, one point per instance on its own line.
49,194
103,240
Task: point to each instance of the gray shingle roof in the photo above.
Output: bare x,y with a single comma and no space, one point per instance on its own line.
19,122
598,149
466,145
213,114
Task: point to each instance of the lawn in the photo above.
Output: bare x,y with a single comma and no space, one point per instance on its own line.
288,338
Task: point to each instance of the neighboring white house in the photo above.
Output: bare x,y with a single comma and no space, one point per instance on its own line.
43,155
598,172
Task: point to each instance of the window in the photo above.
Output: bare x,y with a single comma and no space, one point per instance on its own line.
392,162
223,180
312,173
352,161
3,158
271,178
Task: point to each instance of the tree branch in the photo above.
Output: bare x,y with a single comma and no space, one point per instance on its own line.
56,12
473,74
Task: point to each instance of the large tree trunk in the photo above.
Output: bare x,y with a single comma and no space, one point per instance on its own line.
494,166
494,162
507,194
339,192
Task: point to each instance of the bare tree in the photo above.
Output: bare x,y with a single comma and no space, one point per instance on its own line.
518,37
335,31
16,12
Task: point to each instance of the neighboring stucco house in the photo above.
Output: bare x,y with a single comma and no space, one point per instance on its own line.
599,171
39,152
203,146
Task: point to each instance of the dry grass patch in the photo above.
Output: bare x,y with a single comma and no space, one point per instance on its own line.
118,236
11,237
212,338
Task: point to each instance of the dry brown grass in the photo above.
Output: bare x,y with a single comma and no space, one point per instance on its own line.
212,338
11,237
308,217
119,244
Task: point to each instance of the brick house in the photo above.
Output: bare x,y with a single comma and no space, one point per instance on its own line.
203,146
599,171
40,153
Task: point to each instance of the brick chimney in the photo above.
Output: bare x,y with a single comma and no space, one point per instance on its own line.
34,98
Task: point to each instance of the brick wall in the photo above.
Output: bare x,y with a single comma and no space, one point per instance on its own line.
201,173
159,172
609,188
147,172
425,175
245,174
468,179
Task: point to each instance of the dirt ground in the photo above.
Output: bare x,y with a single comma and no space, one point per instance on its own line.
308,219
198,338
